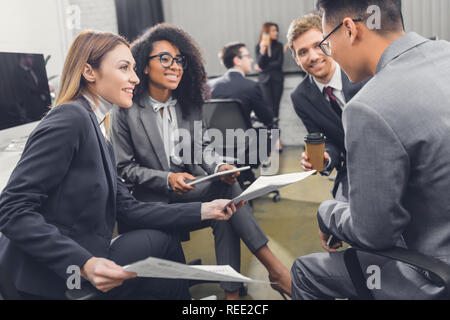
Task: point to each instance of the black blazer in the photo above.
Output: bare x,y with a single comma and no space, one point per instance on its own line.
61,202
317,115
233,85
272,67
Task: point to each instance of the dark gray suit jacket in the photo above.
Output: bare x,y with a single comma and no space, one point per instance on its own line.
397,131
62,200
317,115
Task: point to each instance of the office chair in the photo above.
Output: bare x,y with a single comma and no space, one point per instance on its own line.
437,267
223,114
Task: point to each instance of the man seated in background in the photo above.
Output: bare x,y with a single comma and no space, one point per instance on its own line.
320,98
233,84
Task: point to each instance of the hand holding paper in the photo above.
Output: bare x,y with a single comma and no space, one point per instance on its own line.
266,184
159,268
219,209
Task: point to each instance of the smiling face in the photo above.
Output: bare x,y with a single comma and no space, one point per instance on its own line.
161,78
311,58
115,79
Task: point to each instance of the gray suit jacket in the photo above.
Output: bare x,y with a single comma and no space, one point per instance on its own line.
139,149
397,131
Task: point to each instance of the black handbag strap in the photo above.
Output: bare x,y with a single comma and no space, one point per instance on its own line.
356,275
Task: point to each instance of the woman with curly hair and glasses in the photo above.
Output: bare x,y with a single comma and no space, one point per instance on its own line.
168,102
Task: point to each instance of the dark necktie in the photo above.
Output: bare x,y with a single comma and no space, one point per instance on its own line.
333,101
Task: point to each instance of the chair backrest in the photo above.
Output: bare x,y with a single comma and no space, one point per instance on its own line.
223,114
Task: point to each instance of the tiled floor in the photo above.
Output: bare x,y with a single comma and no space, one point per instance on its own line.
290,225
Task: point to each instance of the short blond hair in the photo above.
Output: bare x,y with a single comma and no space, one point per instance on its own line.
302,25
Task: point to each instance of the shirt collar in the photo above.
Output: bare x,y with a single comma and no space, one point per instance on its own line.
235,70
398,47
157,105
335,81
101,109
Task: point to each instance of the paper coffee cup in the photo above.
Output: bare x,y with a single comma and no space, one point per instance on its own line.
315,147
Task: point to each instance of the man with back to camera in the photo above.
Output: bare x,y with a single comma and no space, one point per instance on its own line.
320,98
396,134
233,84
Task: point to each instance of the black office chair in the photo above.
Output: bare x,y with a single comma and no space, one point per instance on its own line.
223,114
434,266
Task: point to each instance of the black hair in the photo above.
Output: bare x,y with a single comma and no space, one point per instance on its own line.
192,90
230,51
391,12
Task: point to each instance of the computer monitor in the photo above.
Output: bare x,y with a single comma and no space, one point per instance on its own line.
24,89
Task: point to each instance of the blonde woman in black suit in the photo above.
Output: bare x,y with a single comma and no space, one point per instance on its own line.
63,198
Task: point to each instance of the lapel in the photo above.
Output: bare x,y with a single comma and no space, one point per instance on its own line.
317,100
148,118
182,123
107,155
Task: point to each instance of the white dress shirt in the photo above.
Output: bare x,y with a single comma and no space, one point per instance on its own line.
235,70
168,127
101,110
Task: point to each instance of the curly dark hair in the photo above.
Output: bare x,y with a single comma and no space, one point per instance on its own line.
192,90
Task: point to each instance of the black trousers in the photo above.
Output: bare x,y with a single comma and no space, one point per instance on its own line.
227,234
141,244
272,92
138,245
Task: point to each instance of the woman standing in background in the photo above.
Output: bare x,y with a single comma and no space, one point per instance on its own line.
270,58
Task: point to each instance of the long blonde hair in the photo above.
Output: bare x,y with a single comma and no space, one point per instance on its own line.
88,47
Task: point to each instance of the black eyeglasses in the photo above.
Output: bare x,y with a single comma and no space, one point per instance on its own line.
245,55
325,45
167,60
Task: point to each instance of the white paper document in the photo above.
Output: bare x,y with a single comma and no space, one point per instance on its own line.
216,175
160,268
266,184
